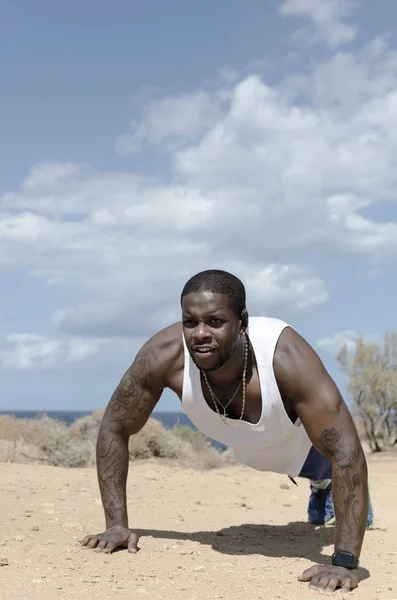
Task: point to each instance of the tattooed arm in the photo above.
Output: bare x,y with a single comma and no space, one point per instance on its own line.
126,413
349,485
302,377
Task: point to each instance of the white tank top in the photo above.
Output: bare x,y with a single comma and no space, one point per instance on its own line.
274,443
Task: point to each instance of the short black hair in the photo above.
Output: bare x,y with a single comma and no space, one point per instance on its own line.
218,282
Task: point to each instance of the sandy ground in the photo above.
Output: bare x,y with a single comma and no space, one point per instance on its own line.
228,533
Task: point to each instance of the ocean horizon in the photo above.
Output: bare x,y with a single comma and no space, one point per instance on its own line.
168,418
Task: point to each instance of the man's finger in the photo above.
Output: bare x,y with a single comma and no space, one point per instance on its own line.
93,542
308,574
133,544
314,582
133,547
85,540
332,585
319,582
101,545
347,585
110,547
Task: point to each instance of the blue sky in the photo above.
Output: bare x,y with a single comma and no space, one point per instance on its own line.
142,143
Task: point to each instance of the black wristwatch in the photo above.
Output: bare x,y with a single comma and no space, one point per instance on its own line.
345,559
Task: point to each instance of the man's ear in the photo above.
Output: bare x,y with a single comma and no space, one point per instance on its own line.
244,318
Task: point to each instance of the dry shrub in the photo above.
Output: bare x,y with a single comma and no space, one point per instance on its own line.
196,439
205,455
50,441
86,428
14,429
60,447
44,440
155,441
209,459
181,444
13,451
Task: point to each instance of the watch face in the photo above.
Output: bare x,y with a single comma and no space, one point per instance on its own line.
344,559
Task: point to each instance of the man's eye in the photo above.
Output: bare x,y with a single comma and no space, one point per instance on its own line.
216,321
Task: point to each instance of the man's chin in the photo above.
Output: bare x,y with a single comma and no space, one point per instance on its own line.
208,366
208,369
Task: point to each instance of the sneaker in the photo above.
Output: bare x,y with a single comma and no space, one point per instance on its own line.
321,508
317,501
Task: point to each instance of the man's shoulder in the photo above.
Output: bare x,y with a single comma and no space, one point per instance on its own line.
166,348
169,337
266,322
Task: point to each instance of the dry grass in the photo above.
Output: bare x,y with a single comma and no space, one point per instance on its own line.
49,441
43,440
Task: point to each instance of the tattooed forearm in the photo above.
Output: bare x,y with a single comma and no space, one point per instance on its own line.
112,470
349,488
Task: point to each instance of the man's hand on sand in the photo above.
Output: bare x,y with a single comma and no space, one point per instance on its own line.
110,540
328,578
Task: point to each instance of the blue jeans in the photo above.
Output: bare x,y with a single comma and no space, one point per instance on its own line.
316,466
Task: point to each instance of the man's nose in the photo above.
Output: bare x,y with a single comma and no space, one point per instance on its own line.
201,332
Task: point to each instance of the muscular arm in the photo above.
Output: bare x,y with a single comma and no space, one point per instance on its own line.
302,377
127,412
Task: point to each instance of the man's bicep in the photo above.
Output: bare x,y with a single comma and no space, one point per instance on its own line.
137,394
315,396
327,420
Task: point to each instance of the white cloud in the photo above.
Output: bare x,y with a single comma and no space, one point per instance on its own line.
285,289
265,185
23,351
328,20
174,120
133,254
50,174
332,344
116,321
